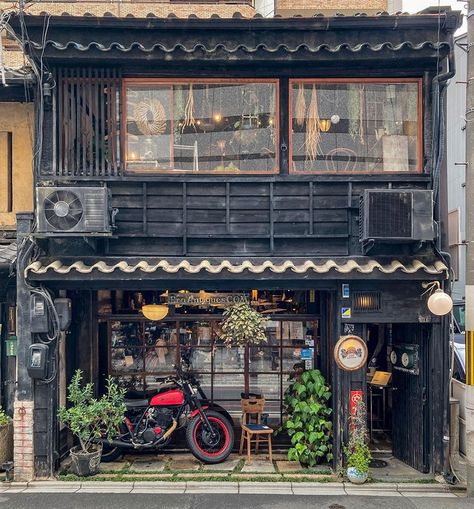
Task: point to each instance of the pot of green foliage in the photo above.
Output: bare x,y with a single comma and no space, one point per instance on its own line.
357,452
242,326
308,422
6,437
91,419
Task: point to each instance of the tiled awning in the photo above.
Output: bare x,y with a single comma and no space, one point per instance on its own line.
362,265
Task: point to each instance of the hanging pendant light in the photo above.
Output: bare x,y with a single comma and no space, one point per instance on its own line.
439,302
155,312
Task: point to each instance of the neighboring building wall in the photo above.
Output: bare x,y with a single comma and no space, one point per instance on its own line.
16,161
139,9
329,7
456,155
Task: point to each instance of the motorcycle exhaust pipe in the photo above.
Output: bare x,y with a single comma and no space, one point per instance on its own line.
116,443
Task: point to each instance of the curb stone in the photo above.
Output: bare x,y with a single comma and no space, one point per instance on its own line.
212,487
317,488
159,487
274,488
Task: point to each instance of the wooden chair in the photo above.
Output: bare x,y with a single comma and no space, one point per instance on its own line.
252,409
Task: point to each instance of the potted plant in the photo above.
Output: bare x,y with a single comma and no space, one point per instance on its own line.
91,418
357,451
242,326
6,437
308,423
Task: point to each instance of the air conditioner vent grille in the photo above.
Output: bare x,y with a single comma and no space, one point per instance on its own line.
390,214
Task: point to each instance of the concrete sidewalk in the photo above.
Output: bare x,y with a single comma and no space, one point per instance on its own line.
271,488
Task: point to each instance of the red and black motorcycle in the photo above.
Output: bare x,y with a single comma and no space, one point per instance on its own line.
179,402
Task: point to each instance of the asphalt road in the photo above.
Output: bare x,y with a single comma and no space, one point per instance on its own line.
222,501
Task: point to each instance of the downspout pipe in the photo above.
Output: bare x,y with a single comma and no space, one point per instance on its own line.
439,85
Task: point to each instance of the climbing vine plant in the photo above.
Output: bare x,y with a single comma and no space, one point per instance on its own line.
309,424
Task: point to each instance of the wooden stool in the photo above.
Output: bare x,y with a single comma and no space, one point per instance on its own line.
254,408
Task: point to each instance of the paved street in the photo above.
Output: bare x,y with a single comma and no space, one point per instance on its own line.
224,501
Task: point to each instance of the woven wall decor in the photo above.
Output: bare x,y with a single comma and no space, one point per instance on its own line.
150,117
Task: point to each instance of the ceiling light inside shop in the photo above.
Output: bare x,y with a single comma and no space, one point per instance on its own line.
155,311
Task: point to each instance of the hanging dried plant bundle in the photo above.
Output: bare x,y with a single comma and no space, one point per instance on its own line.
313,128
150,117
189,119
300,111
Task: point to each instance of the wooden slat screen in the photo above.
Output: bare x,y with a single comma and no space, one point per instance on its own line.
88,111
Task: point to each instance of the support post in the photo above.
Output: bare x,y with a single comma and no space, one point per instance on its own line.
24,406
470,253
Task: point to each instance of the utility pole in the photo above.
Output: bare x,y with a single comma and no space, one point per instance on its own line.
470,252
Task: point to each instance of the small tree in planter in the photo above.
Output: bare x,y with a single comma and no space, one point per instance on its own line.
6,437
90,419
357,451
243,326
309,424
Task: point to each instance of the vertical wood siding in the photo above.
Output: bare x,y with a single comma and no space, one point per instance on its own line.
88,109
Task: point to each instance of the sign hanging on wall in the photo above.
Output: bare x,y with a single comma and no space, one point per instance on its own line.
356,396
206,299
350,353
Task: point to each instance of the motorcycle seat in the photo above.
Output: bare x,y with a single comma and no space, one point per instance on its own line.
136,403
148,394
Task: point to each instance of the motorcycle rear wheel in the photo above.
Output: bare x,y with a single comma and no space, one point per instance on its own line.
206,448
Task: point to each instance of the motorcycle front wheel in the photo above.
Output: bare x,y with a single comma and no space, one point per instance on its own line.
208,447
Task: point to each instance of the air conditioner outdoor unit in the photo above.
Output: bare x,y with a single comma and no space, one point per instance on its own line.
73,210
396,215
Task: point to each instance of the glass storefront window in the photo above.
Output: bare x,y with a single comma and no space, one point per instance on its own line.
142,351
367,126
229,126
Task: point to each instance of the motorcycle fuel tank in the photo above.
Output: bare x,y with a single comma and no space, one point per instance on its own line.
174,397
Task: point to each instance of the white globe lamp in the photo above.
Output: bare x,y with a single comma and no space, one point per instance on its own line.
440,303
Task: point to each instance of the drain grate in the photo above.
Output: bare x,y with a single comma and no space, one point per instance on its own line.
337,506
378,463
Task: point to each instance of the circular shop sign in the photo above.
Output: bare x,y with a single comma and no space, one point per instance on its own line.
350,353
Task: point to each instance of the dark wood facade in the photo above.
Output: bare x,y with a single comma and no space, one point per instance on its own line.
245,216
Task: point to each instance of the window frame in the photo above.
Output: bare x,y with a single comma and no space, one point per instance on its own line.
388,81
212,81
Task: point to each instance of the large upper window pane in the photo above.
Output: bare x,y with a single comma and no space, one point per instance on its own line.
355,127
201,127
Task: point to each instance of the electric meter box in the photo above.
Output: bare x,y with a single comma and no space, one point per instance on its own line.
38,314
38,360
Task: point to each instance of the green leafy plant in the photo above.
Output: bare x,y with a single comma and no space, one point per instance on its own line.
90,418
4,419
357,451
309,424
242,326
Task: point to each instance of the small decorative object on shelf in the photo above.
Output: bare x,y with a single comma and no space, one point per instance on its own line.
357,452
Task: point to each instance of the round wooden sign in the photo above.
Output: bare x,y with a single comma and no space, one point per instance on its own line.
350,353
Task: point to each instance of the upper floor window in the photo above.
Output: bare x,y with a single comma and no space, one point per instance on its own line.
218,126
364,126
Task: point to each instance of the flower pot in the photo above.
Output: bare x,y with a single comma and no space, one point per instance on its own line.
355,476
6,442
85,463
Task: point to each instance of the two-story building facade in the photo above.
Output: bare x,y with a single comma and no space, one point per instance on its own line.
189,162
